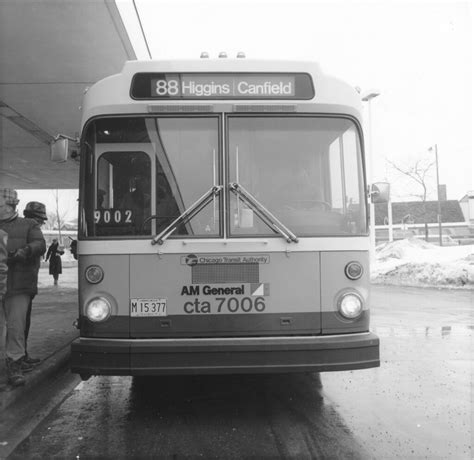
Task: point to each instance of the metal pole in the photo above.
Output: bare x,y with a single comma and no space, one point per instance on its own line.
370,180
390,220
370,173
439,202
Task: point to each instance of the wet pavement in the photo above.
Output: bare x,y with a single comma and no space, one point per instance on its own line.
278,416
418,404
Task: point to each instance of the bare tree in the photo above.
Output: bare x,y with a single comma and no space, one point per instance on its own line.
57,218
419,173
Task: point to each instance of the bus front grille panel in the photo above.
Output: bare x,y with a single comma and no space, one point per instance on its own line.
225,273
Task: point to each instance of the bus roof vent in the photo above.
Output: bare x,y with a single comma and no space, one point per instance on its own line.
180,108
264,108
204,55
222,54
241,55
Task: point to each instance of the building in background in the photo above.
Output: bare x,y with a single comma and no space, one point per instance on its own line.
411,218
467,207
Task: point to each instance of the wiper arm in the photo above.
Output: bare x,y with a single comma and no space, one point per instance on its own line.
268,218
188,214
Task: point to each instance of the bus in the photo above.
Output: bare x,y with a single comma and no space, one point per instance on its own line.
223,223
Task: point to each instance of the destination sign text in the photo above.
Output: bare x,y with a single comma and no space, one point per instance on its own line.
222,86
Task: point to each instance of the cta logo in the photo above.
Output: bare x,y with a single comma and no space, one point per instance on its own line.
191,259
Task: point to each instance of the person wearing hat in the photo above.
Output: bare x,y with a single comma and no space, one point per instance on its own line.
36,211
25,245
3,264
3,271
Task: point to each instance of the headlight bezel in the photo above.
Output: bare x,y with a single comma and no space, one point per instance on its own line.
106,303
343,312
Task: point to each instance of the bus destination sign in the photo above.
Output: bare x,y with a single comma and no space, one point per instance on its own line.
222,86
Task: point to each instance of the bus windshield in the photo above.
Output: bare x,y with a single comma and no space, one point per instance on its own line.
142,173
306,170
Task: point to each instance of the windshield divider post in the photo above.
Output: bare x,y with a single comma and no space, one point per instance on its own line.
214,184
237,179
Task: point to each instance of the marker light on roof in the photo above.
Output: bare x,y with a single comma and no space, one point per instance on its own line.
204,55
222,54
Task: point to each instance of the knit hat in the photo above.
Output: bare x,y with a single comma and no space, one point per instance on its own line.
35,209
10,196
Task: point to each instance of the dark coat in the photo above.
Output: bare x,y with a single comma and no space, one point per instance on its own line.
3,263
23,274
54,255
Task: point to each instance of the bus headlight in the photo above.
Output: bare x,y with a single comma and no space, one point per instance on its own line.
98,309
94,274
350,305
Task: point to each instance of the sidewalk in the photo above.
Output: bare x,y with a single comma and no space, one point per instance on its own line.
54,310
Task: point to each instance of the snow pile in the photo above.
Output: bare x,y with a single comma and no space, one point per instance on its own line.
414,262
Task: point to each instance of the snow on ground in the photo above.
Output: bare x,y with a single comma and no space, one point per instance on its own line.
414,262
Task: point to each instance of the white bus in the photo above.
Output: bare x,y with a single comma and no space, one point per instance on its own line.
223,221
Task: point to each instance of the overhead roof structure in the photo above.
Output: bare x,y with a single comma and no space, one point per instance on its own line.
50,52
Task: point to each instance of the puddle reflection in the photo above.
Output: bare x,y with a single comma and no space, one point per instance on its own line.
426,331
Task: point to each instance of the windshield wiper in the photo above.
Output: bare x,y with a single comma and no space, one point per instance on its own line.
268,218
187,214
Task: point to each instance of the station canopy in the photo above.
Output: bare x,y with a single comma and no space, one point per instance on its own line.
50,52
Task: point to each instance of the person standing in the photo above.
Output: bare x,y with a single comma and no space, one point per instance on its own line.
3,264
3,275
25,244
54,255
36,211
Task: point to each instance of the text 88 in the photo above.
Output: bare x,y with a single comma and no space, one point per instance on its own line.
167,88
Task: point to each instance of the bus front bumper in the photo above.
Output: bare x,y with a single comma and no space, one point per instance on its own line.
224,355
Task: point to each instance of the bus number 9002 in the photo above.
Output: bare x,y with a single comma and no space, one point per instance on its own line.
113,216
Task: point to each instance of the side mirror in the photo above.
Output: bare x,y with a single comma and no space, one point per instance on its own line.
59,150
380,192
73,248
63,148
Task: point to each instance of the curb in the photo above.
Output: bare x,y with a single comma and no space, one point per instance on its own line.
49,367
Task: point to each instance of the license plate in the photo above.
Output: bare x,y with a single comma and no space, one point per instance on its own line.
148,307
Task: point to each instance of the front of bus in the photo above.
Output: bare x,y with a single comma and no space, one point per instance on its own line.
223,223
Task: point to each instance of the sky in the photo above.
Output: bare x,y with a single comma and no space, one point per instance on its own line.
417,54
67,201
